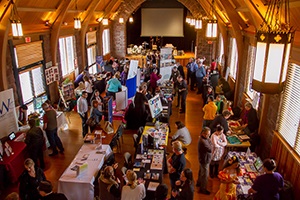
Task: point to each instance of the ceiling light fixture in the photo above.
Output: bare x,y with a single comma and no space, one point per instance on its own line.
15,21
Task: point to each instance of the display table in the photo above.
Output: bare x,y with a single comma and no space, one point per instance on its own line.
81,186
163,135
14,164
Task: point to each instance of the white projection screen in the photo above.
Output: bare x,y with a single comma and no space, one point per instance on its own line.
166,22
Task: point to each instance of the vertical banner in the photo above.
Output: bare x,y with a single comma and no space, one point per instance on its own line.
8,116
131,79
165,57
99,63
110,110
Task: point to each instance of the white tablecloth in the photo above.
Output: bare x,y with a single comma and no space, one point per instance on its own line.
81,187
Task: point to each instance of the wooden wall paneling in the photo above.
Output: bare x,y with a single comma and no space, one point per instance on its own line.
29,53
288,162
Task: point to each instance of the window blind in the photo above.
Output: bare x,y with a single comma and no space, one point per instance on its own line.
289,118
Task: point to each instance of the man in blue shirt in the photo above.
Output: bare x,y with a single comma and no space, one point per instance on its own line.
200,74
193,69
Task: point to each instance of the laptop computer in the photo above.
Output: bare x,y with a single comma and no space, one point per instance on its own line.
254,167
12,136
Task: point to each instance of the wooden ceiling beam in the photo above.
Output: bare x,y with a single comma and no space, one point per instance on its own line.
56,23
86,18
4,6
31,9
108,9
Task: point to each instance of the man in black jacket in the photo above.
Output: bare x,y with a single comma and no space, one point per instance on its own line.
204,157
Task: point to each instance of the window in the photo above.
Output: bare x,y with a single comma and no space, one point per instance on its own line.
289,119
32,83
91,55
106,41
67,56
221,50
233,58
253,95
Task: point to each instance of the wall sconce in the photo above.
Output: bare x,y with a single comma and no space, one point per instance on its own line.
131,19
105,22
274,40
121,20
15,21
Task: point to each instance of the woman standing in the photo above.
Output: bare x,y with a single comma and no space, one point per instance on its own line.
219,143
268,185
30,180
88,87
132,190
109,186
186,185
228,177
154,77
113,86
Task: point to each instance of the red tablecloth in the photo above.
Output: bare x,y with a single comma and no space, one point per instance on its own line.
14,164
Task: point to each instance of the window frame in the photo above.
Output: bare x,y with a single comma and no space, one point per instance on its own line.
233,61
106,41
67,48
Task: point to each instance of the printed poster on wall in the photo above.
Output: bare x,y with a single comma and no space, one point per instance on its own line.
166,57
51,74
8,116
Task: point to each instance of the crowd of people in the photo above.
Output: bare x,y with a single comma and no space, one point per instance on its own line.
211,144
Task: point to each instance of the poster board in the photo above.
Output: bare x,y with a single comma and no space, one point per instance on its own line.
51,74
8,116
122,99
166,57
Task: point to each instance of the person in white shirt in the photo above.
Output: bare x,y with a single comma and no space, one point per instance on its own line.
82,108
132,190
182,134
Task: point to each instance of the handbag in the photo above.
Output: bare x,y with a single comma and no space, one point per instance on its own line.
108,128
91,121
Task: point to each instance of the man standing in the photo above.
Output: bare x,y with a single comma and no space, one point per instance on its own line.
50,126
204,156
193,69
200,74
35,141
182,92
210,110
82,108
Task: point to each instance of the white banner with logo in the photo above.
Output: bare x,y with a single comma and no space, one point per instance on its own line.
8,117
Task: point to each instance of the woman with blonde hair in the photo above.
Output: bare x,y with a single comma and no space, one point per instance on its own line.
30,180
109,186
132,190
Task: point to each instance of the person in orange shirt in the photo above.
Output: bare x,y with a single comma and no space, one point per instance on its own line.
210,110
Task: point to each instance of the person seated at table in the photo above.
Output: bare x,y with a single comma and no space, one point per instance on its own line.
29,181
134,189
228,177
95,114
46,191
113,86
249,119
219,103
176,163
22,119
185,185
219,142
210,110
268,185
161,192
109,185
35,142
224,85
96,96
221,120
12,196
182,134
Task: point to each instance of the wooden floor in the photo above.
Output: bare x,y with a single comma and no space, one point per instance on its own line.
72,141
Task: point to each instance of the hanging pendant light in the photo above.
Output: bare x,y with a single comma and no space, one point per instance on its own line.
105,22
211,28
77,20
193,22
198,24
273,47
15,21
121,20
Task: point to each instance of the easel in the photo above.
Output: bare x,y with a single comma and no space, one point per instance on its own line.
62,100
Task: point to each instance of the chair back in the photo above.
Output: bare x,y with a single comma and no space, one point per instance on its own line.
135,140
114,141
120,130
214,80
127,160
